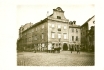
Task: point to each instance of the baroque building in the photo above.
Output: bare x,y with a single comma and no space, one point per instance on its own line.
55,30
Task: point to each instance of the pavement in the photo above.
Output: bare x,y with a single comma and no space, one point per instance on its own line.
64,58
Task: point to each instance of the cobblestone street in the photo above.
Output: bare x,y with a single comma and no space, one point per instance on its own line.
64,58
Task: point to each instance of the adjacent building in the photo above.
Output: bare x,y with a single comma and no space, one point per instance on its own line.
74,36
85,29
91,39
55,30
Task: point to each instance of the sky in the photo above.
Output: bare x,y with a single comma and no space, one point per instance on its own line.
34,13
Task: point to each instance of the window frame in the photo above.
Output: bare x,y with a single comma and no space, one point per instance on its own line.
52,25
65,35
42,26
59,35
53,35
76,38
73,30
65,27
42,36
36,28
72,38
35,37
59,26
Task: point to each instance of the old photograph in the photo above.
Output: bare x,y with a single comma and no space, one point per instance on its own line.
56,35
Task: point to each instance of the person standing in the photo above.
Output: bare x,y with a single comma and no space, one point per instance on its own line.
52,49
34,48
58,49
78,50
71,49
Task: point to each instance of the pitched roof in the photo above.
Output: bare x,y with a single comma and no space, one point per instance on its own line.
88,20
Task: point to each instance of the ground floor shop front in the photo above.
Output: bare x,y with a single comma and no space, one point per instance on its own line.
65,46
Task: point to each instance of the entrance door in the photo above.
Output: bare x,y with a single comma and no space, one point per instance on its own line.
65,47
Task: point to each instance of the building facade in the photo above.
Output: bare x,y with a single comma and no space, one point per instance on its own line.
85,28
58,29
91,39
54,31
74,36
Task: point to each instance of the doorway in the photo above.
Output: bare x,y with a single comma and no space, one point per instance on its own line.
65,47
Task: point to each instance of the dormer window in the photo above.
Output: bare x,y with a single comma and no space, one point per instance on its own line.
58,17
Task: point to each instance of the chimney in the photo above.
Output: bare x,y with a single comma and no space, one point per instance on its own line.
71,23
47,13
74,22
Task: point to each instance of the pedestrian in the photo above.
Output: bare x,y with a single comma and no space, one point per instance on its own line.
49,48
35,48
52,49
58,49
71,49
78,50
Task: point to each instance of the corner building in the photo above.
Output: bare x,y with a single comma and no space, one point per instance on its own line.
51,31
58,29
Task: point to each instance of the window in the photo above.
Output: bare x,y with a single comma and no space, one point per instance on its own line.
72,38
81,33
53,44
83,27
29,39
53,26
58,17
59,26
42,35
42,26
65,36
43,45
32,30
76,38
72,29
59,44
59,35
56,44
93,22
59,29
53,35
35,37
65,27
36,29
25,33
76,30
29,32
